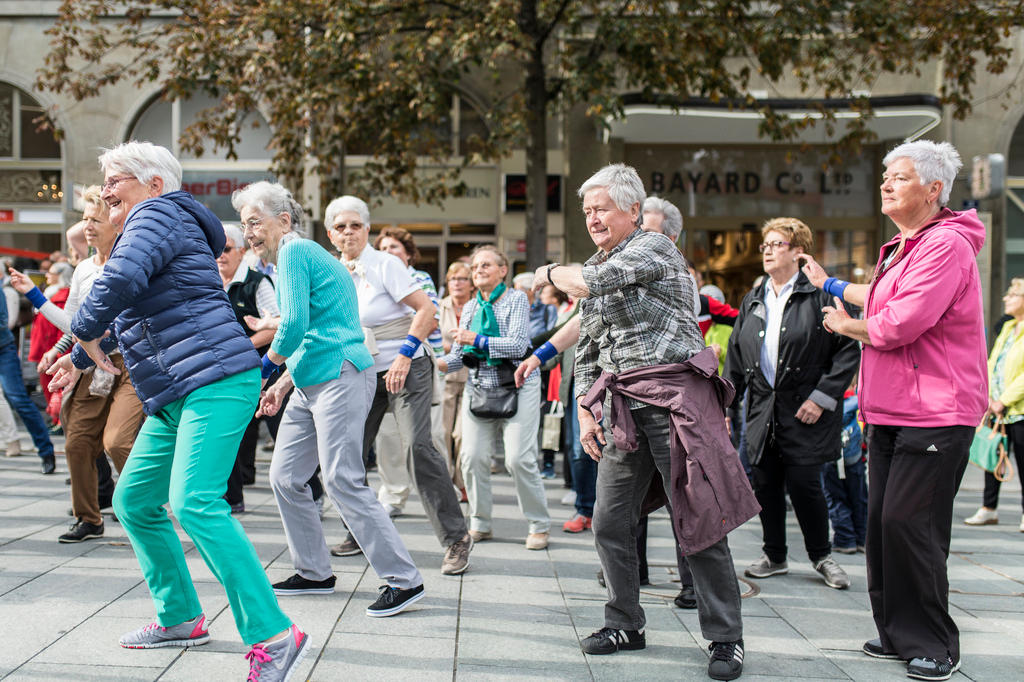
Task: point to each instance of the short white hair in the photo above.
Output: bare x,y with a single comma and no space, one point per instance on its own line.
622,183
523,280
347,203
932,161
233,232
143,161
672,223
64,272
270,198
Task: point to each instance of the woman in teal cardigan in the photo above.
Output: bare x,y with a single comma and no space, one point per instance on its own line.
1006,397
320,340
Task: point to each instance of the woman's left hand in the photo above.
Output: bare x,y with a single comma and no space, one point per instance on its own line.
64,373
21,283
465,337
835,317
92,348
809,412
996,407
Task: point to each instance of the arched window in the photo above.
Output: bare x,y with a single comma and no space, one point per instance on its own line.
31,185
211,178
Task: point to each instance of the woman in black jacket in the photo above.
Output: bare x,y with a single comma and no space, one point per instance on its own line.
796,373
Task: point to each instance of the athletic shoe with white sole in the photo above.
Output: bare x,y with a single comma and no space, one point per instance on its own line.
278,661
153,636
393,600
299,585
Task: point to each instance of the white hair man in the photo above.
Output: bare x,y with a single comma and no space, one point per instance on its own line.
662,216
639,340
399,315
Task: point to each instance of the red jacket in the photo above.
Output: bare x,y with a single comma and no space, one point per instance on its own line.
44,334
710,492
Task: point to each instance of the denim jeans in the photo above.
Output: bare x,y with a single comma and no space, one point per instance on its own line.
847,500
584,469
17,396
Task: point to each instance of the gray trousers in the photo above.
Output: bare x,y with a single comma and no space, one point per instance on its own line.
323,424
622,482
429,468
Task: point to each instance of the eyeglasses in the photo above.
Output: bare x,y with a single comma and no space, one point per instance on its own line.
114,182
458,279
253,224
341,227
229,249
771,246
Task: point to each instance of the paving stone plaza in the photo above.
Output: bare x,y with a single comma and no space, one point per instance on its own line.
515,614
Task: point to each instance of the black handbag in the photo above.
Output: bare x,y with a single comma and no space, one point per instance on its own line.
499,402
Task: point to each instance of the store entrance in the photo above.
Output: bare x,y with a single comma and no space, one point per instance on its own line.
729,259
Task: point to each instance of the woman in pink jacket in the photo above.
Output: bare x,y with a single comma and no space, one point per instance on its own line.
923,391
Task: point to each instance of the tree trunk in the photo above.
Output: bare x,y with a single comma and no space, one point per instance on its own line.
536,157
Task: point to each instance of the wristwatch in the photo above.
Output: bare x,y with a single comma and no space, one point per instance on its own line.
547,272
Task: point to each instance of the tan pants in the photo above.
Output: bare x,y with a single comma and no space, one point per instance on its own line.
452,420
92,425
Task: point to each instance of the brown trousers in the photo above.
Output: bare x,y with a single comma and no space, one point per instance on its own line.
94,425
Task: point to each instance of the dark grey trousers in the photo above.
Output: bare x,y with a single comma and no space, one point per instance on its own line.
429,469
622,481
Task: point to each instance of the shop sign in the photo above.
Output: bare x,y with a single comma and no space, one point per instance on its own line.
214,188
515,193
6,215
479,202
739,181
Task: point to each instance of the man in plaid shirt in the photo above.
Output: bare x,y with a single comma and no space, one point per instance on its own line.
638,310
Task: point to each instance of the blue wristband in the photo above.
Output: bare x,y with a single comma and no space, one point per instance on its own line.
269,367
36,298
481,341
835,287
546,352
409,346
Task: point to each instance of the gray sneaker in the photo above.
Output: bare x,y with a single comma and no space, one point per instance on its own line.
834,576
766,568
153,636
456,558
278,661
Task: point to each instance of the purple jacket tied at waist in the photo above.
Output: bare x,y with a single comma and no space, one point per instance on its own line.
710,493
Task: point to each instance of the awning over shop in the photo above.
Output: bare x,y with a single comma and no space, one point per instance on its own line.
701,121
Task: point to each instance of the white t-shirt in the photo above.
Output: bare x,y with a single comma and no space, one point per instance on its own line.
84,275
382,281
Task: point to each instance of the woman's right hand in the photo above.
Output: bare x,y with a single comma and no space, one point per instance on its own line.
815,273
525,369
20,281
258,324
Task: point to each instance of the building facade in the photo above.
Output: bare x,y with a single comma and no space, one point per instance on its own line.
706,159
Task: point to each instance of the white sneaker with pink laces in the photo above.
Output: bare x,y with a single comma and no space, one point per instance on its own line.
278,661
190,633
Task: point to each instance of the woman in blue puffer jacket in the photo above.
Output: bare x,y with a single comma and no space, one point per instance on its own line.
198,378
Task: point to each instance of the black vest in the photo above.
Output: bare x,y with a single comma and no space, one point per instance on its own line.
243,297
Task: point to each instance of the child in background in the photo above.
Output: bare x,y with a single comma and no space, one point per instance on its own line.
845,483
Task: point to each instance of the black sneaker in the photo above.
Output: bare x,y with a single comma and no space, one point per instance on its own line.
393,600
81,530
610,640
726,660
873,648
931,669
299,585
347,548
687,598
48,464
